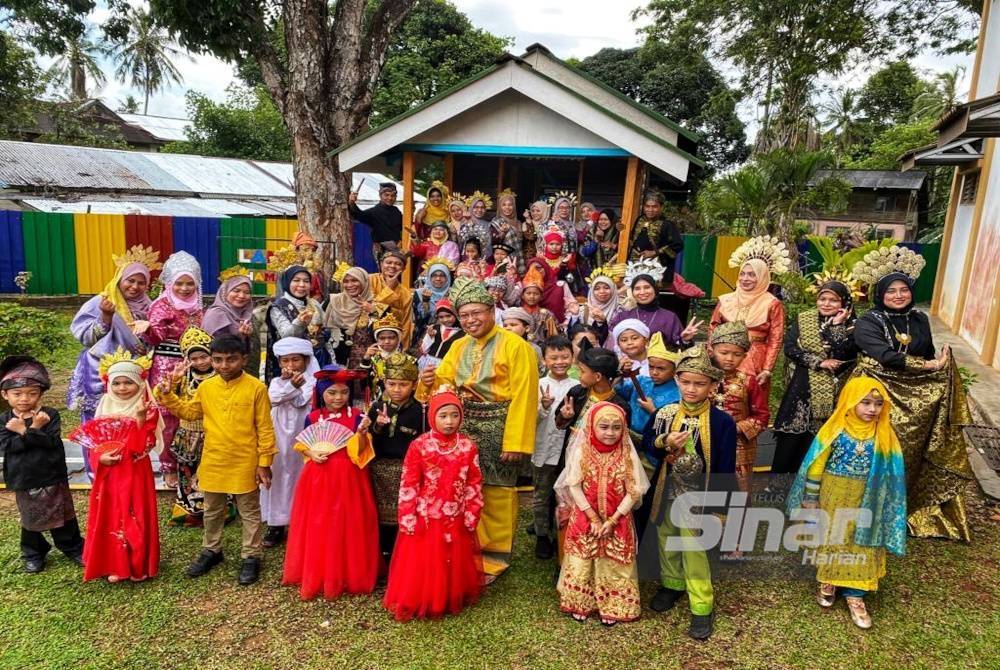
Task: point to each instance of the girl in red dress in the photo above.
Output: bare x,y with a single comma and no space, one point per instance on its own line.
333,532
123,540
437,567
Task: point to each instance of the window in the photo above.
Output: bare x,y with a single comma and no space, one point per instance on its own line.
970,187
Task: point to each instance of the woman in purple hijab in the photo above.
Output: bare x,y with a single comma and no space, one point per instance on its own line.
232,314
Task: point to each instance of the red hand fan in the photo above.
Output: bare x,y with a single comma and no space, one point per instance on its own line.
104,434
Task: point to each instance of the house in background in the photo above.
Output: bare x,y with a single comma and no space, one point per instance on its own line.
141,132
967,290
893,203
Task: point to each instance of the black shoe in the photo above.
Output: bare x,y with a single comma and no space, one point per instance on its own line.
206,560
701,626
34,565
274,537
249,571
543,547
76,558
664,599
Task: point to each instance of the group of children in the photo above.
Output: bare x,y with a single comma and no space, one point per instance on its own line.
339,484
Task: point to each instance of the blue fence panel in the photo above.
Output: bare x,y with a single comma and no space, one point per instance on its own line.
11,250
200,238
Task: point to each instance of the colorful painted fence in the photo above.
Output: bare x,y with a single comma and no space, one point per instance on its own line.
70,254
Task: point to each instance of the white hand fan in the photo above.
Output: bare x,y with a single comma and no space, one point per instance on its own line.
104,434
325,437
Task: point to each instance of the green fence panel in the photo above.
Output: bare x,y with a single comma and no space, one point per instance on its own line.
246,236
698,261
50,253
924,289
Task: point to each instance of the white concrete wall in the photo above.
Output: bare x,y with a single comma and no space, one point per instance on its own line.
512,120
976,317
988,81
951,285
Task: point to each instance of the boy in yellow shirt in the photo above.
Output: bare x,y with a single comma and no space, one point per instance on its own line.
236,458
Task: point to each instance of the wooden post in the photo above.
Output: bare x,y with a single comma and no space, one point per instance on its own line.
449,174
630,205
408,209
579,186
949,223
500,167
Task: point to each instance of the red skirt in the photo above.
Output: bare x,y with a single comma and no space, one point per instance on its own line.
123,537
430,577
333,531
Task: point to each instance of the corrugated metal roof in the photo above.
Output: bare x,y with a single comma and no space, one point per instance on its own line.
214,207
228,176
51,165
886,179
160,127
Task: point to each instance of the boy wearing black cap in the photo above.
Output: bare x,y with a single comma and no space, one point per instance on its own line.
34,464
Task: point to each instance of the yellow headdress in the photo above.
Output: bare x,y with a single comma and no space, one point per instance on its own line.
886,261
769,249
440,260
234,271
838,275
613,271
387,322
340,271
122,356
145,256
194,338
282,259
659,350
399,365
479,195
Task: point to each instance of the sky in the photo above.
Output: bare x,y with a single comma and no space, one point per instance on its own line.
576,29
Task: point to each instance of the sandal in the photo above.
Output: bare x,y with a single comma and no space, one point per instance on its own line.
826,595
579,617
859,613
608,622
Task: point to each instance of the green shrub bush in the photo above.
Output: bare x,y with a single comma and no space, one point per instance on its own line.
30,331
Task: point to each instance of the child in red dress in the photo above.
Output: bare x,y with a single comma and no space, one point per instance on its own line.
123,540
437,567
333,532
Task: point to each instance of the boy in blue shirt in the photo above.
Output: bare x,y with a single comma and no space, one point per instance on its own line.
659,389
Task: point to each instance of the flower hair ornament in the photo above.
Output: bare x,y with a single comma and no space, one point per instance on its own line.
569,195
147,256
646,266
235,271
123,356
479,195
769,249
888,260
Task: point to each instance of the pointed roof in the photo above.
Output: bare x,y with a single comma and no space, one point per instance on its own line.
532,105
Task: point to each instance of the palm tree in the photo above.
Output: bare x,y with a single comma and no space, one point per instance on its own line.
79,62
144,59
941,97
842,117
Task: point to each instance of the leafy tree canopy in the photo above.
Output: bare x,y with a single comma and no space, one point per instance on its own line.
20,83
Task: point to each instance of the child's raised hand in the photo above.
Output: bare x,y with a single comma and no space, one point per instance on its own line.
547,398
17,425
286,373
567,411
383,416
647,405
365,423
40,419
177,374
298,379
371,351
139,327
625,363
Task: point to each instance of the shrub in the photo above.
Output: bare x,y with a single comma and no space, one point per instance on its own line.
26,330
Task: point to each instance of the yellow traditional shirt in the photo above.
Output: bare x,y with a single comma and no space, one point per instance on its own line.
239,436
497,367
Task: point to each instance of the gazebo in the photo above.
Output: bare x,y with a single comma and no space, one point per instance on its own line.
536,125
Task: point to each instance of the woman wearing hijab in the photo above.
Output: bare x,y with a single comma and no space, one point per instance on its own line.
601,245
293,314
820,353
231,313
388,289
929,406
761,312
562,216
603,304
536,220
433,209
507,229
477,226
117,317
436,285
648,311
178,308
348,317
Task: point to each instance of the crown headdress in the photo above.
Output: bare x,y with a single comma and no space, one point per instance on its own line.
148,256
340,271
234,271
194,338
838,275
282,259
122,355
440,260
507,191
386,322
479,195
439,185
646,266
769,249
569,195
613,271
887,260
399,365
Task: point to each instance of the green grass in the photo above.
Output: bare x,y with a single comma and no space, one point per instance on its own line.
937,608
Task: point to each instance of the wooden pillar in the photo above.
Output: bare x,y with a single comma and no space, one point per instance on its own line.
500,169
949,225
630,205
449,174
579,186
408,208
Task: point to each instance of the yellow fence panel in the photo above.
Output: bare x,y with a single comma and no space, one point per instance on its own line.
97,237
279,233
724,247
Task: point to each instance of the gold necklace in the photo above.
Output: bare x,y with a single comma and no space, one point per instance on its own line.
902,338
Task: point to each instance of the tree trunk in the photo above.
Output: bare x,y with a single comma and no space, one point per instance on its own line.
321,192
77,79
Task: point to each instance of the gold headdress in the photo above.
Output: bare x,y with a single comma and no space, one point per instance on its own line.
886,261
282,259
439,185
507,191
440,260
769,249
147,256
647,266
695,359
731,332
399,365
122,355
613,271
194,338
387,322
234,271
838,275
340,271
479,195
569,195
